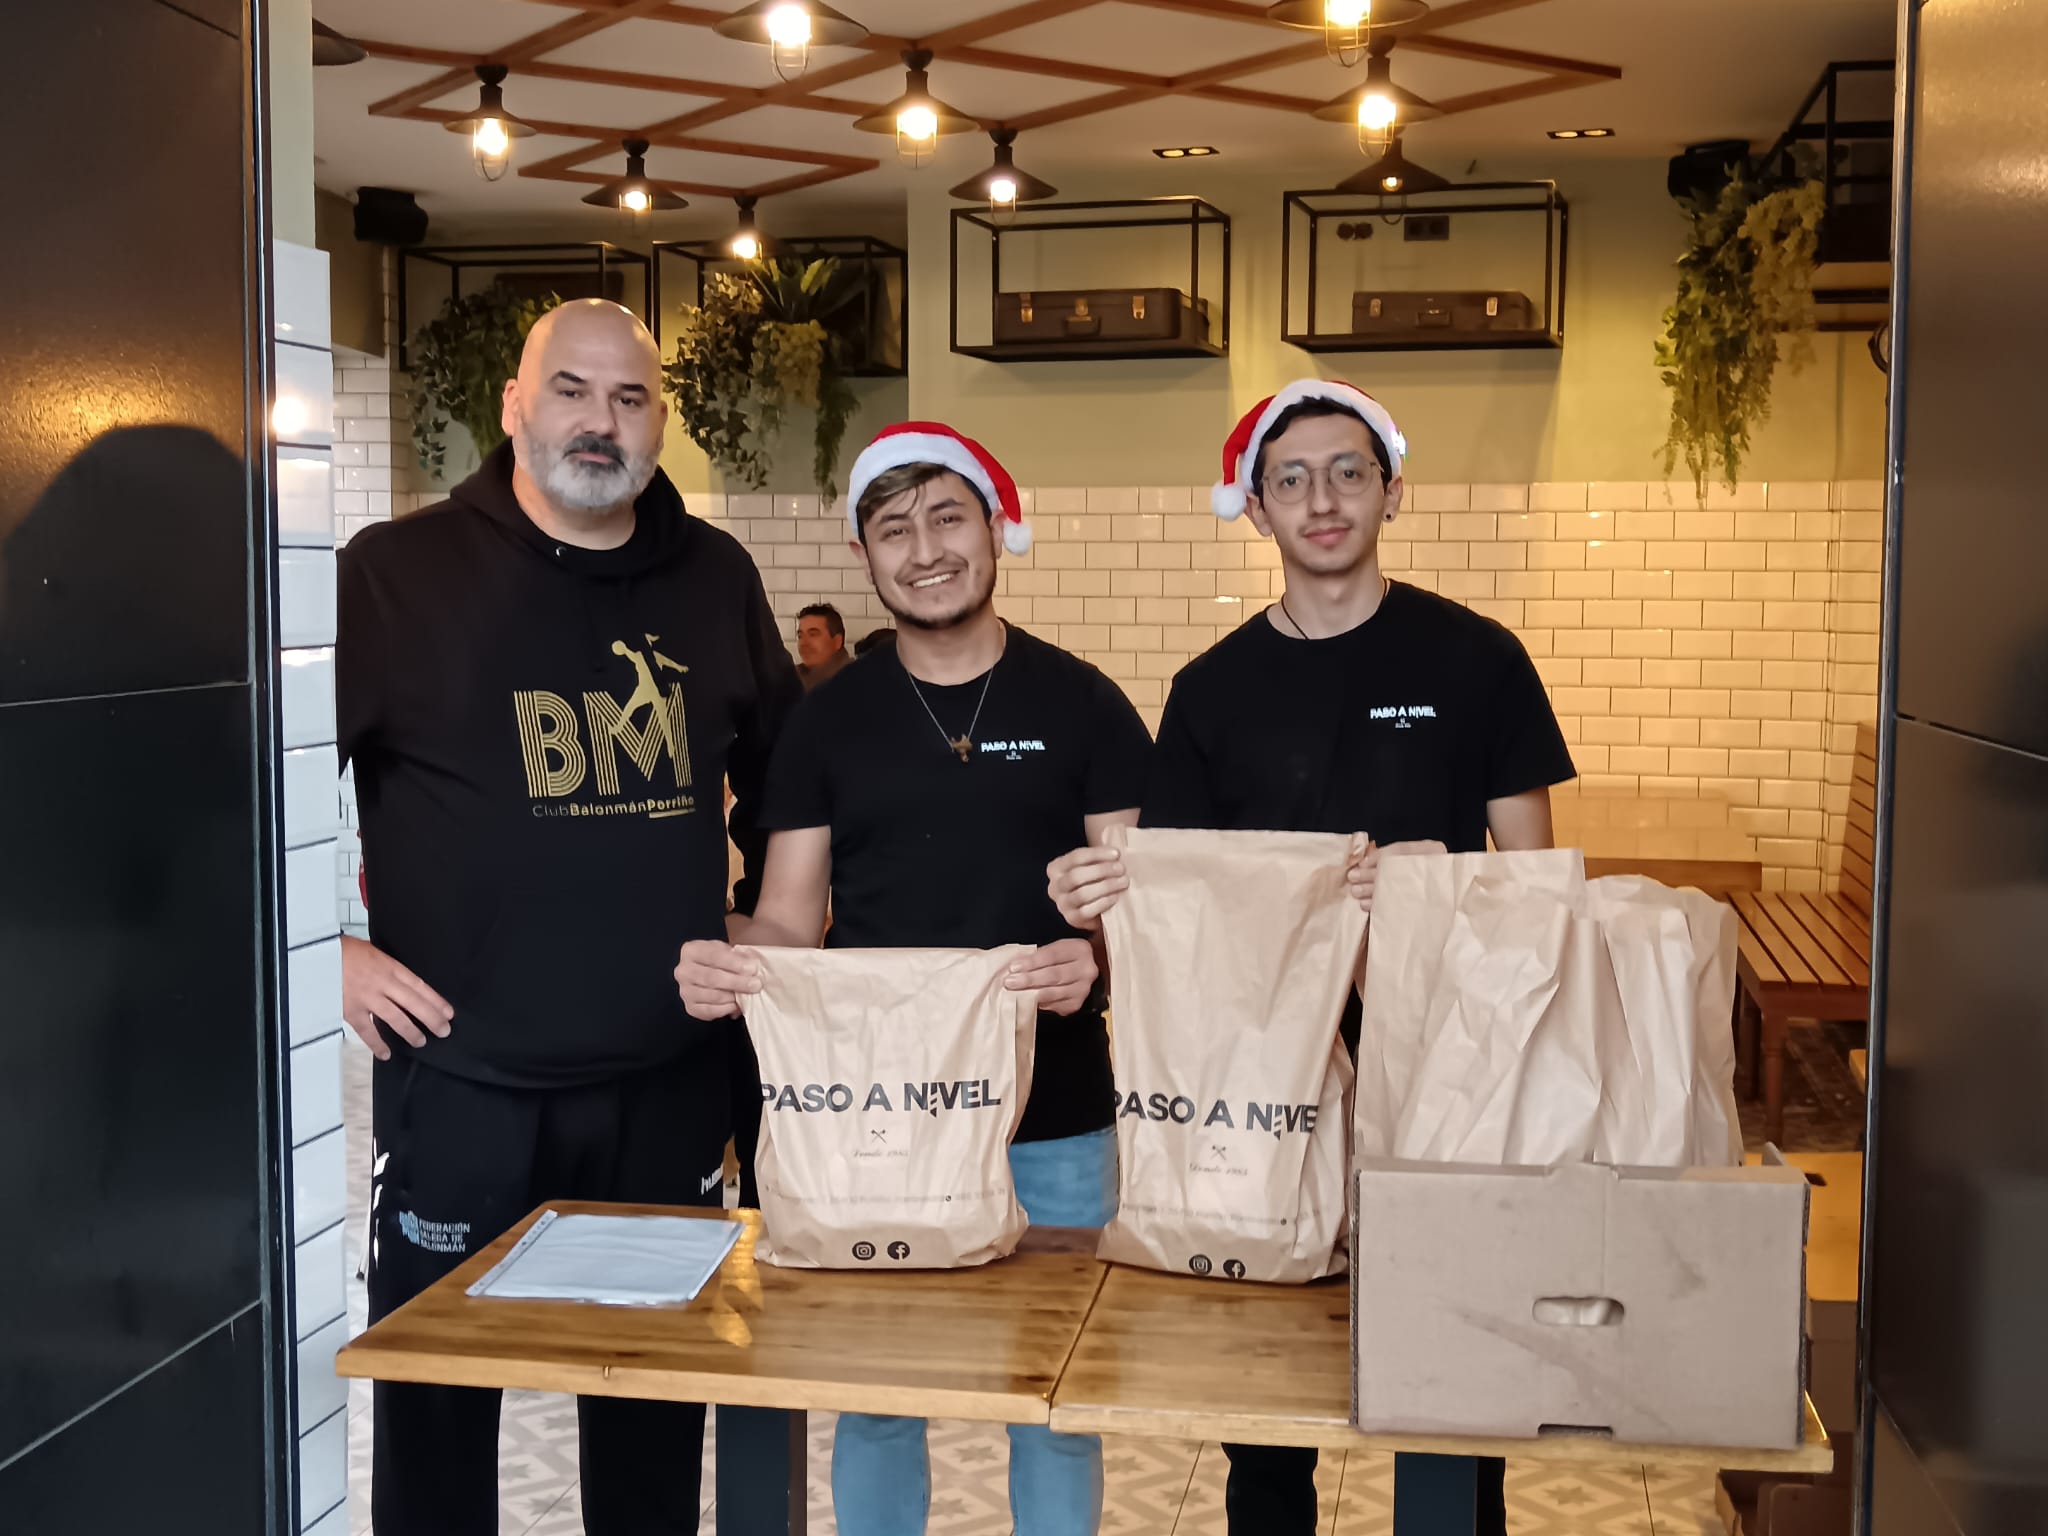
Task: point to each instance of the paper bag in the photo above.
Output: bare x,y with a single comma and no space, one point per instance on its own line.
891,1083
1516,1013
1231,957
1415,905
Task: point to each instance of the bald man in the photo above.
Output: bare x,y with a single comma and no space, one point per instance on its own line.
542,683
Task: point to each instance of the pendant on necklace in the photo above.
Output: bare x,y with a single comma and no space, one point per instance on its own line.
962,745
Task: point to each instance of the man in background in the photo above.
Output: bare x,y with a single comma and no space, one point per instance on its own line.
542,684
820,644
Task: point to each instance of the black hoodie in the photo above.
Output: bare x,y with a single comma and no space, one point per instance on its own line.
541,735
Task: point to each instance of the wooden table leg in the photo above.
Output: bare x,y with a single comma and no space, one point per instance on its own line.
760,1481
1435,1495
1775,1028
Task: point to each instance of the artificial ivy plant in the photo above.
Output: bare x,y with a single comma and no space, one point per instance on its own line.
1744,282
460,362
777,333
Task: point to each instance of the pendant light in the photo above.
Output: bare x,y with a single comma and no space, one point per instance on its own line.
1002,186
633,194
1379,109
746,242
790,29
331,49
917,117
1348,26
490,127
1394,175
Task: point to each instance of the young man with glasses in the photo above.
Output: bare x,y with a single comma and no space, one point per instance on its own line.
1353,704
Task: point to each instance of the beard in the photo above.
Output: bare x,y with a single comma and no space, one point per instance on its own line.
972,604
575,486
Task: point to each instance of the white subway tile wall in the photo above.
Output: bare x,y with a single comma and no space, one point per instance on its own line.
304,424
1725,648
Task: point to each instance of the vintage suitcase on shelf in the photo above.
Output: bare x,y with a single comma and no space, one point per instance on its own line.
1106,317
1452,313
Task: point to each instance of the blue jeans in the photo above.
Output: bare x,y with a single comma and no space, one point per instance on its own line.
881,1469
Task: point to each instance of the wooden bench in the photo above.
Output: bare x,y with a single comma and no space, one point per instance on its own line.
1807,956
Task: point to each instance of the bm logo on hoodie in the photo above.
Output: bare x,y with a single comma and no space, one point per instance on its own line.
563,748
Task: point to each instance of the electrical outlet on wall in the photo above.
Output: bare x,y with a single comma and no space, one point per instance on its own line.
1426,226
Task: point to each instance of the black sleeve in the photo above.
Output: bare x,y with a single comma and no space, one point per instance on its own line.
775,693
799,792
1119,751
358,654
1177,785
1525,750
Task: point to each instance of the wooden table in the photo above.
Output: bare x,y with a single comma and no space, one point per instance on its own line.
1679,840
987,1344
1161,1354
1048,1336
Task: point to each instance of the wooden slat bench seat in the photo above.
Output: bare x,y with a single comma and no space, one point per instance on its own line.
1807,956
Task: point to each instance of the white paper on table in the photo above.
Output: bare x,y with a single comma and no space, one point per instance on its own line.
617,1261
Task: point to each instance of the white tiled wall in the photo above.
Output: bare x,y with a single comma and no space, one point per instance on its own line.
305,429
1725,649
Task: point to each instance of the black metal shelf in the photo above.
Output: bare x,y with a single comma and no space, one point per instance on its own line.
1428,341
1202,220
587,269
888,314
1304,214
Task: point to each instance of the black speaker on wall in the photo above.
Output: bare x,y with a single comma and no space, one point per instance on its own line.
1705,168
387,217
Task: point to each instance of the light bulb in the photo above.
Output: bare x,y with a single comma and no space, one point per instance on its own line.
1347,13
745,247
635,200
917,123
1390,183
789,26
1002,190
789,39
1377,111
490,147
1346,26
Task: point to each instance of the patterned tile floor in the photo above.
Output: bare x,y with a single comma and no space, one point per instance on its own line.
1154,1487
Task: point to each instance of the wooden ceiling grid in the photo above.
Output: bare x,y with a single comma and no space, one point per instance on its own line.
965,43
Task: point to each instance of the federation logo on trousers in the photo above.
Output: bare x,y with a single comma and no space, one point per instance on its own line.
563,748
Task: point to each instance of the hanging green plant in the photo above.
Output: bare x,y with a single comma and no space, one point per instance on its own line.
1745,282
460,362
776,334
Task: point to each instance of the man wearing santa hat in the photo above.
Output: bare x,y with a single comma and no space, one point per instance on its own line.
1354,704
923,794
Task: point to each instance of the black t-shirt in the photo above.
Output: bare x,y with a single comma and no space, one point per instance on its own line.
930,851
1402,728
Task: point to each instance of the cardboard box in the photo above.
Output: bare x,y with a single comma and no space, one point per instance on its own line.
1761,1506
1653,1305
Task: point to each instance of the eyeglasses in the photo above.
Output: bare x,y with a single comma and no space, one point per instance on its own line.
1347,479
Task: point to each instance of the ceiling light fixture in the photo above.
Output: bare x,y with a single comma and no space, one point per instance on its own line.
746,242
790,29
1394,175
1582,133
331,49
1348,26
490,127
1186,152
1002,186
633,194
1379,109
917,117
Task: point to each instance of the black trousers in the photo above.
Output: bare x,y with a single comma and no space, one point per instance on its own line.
1271,1491
455,1163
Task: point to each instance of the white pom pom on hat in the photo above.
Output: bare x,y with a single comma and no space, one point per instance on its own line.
1229,496
933,442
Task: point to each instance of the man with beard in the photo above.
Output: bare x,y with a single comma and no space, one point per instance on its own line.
1355,704
542,683
923,794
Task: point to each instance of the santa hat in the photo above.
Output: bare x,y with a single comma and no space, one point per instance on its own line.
933,442
1241,452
